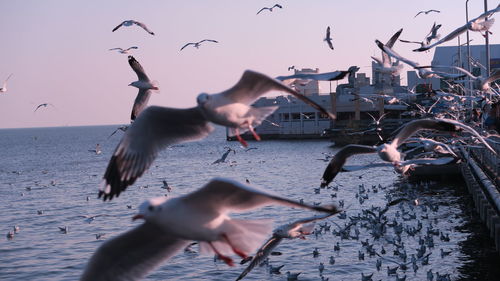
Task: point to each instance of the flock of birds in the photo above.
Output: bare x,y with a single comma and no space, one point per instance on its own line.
203,215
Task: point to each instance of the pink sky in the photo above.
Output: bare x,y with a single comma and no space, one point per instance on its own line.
58,50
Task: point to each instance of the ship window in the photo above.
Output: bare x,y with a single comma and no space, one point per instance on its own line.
323,116
295,116
345,116
308,116
285,116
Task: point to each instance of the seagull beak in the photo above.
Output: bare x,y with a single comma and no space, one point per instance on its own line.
138,216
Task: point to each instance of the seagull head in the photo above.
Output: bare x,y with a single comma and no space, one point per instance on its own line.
150,208
202,98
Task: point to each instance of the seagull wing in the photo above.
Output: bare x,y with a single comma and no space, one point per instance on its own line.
428,161
153,130
327,76
132,255
133,47
406,41
339,159
278,5
118,26
186,46
493,77
144,27
424,124
448,37
470,130
253,84
40,105
390,44
395,55
224,195
137,68
354,168
140,103
265,8
261,255
449,67
208,40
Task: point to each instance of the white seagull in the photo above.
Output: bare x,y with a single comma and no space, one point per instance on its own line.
483,83
170,225
385,65
124,51
270,9
296,229
4,85
426,12
328,38
481,23
326,76
158,127
388,151
132,22
198,44
145,86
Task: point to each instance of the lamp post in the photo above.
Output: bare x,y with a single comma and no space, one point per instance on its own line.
469,85
487,44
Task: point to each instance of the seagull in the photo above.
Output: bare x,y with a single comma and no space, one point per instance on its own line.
132,22
197,44
4,86
124,51
484,84
121,128
144,85
481,23
328,38
43,105
224,156
97,149
297,229
166,186
402,166
90,219
433,34
291,67
388,151
270,9
171,224
158,127
426,12
326,76
384,65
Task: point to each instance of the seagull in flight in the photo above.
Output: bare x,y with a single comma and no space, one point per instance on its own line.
198,44
481,23
121,128
4,85
296,229
124,51
270,9
145,86
43,105
158,127
426,12
172,223
484,84
328,38
132,22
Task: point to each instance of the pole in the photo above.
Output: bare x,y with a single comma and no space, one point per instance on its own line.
487,44
469,85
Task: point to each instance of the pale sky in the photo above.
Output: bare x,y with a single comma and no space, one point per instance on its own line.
58,49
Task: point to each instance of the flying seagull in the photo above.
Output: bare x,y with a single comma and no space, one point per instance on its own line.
4,85
171,224
144,85
327,76
132,22
426,12
296,229
124,51
482,83
388,151
121,128
198,44
481,23
158,127
328,38
43,105
224,156
270,9
385,65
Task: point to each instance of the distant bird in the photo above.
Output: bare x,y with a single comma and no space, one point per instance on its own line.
198,44
97,149
433,34
328,38
426,12
483,83
271,8
157,127
291,67
297,229
132,22
224,156
121,128
64,229
43,105
481,23
4,86
166,186
145,86
292,276
124,51
10,235
170,225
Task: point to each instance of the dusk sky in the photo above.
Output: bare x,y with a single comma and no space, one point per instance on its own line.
58,50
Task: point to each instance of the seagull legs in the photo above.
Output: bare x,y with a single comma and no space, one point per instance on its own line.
226,259
235,250
239,138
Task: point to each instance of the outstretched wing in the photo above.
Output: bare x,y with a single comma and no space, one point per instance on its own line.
153,130
137,68
186,46
144,27
118,26
261,255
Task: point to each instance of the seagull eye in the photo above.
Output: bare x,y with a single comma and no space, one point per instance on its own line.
151,208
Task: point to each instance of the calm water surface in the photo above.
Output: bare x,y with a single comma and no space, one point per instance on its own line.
51,170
